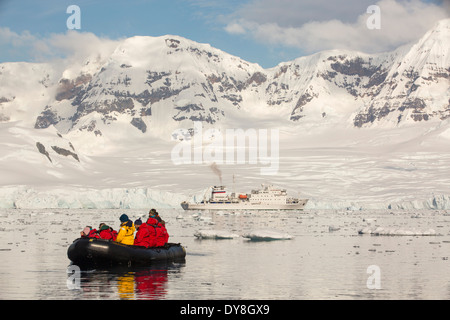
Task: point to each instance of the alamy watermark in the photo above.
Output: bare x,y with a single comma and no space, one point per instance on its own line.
374,20
73,281
74,20
234,146
374,280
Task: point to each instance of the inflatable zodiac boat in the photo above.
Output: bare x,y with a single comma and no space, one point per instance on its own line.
92,252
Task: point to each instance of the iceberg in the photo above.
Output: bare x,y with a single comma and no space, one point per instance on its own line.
215,234
266,235
379,231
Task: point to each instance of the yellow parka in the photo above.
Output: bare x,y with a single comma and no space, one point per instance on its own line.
126,233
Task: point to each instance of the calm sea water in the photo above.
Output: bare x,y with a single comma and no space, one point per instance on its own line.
318,263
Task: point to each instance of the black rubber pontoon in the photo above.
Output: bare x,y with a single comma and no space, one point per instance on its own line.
92,252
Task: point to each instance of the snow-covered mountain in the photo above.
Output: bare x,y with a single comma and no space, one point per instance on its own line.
160,82
65,124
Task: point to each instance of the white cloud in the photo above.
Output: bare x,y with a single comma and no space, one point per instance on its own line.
81,45
401,22
19,41
72,49
295,13
235,28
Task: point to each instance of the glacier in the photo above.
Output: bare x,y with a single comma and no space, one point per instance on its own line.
23,197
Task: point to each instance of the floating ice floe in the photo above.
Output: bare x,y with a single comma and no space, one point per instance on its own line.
266,235
215,234
379,231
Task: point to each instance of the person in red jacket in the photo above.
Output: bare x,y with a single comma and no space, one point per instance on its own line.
159,236
142,237
162,236
162,224
94,234
106,232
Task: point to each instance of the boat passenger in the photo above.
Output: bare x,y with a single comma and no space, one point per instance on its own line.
94,234
153,234
88,232
155,214
85,232
126,232
143,236
162,234
106,232
152,219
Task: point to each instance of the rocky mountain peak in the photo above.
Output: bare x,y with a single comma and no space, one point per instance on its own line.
162,83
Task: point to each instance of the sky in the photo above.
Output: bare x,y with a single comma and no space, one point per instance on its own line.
266,32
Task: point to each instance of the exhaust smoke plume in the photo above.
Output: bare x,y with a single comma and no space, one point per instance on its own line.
217,171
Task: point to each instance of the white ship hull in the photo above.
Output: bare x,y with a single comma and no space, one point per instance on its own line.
268,198
243,206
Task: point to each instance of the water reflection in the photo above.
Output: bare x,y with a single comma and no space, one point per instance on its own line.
315,264
150,283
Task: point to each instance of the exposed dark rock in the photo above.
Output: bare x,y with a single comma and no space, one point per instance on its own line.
302,101
208,54
371,115
46,119
89,127
146,112
172,43
329,75
209,90
163,93
441,73
282,70
257,78
126,81
120,105
153,76
420,116
445,113
65,152
296,117
354,67
140,124
377,79
189,108
234,98
196,112
3,99
41,149
68,89
417,104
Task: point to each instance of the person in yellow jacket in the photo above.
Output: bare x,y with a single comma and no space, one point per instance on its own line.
126,232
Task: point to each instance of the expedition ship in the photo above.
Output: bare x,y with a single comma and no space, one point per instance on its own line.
267,198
